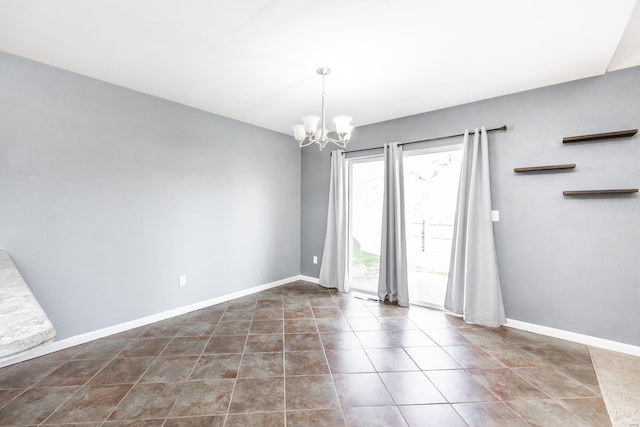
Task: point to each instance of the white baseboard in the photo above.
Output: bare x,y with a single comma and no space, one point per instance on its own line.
575,337
111,330
121,327
309,279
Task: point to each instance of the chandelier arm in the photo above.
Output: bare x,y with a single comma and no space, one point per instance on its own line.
308,143
339,143
333,140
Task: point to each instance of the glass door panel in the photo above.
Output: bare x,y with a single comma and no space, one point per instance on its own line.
431,188
366,180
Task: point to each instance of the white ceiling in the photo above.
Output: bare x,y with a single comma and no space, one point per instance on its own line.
255,60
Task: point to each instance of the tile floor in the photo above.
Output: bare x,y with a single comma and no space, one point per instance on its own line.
301,355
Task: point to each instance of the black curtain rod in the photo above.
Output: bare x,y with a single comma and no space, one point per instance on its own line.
501,128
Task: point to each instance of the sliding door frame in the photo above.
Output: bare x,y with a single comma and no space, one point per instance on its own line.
350,162
440,148
420,149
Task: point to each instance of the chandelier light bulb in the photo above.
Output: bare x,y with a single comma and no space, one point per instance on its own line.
299,132
310,123
343,124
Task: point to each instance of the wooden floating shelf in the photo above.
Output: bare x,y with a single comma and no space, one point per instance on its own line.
590,192
545,168
597,136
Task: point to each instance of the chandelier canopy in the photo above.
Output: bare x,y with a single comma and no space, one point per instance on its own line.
308,132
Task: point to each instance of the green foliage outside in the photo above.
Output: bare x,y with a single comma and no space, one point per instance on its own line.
365,259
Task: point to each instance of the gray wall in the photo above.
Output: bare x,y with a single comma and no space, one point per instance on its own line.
107,195
568,263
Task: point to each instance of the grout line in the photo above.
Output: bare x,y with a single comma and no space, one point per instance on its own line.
597,374
192,369
235,381
326,359
60,405
458,413
512,410
86,383
14,397
140,377
284,366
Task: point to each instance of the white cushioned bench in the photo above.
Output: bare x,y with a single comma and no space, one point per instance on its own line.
23,323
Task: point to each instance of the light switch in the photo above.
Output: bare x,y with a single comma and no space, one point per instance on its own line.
495,216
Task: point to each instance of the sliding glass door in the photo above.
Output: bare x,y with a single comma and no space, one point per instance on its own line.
431,187
366,179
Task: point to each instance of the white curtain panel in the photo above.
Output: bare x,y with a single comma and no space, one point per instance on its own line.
392,282
473,287
333,269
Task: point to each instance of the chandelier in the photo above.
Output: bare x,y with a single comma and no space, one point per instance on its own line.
308,132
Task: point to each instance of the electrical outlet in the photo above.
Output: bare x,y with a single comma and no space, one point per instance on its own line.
183,280
315,259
